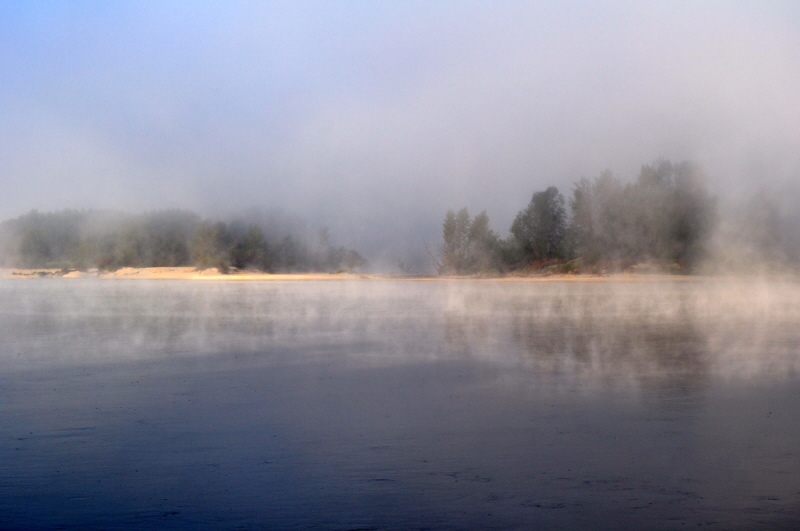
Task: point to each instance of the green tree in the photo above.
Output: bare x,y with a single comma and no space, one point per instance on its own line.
694,215
538,230
250,250
666,215
599,218
469,244
167,237
289,255
209,246
483,252
455,247
343,259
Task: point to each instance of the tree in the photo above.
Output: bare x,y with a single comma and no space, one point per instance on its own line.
599,218
539,229
483,245
343,259
167,236
288,255
694,214
455,232
666,215
110,240
209,246
469,245
250,250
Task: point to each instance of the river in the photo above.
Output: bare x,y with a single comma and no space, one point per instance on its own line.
396,404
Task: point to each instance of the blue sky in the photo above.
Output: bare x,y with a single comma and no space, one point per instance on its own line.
373,118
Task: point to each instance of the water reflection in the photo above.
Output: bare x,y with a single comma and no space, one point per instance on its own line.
446,405
612,347
686,333
611,332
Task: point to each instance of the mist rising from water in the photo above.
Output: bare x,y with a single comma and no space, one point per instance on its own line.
605,333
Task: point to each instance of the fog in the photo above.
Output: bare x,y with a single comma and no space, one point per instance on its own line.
587,334
373,119
385,404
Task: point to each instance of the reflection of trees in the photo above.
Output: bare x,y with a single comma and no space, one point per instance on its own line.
666,335
597,335
613,347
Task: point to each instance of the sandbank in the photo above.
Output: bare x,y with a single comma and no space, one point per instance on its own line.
191,273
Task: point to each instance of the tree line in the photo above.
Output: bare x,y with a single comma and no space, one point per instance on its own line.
111,240
666,215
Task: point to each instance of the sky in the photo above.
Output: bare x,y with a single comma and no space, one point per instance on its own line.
374,118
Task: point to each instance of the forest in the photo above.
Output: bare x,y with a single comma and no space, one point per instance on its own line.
108,240
665,220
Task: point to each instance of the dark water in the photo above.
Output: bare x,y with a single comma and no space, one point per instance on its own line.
399,405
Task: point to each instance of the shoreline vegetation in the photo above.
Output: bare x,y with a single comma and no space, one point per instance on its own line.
110,241
665,223
662,222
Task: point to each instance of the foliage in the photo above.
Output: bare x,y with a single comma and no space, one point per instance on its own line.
665,216
250,250
469,246
539,229
169,238
209,246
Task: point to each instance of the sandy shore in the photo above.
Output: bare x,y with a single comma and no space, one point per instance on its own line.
167,273
190,273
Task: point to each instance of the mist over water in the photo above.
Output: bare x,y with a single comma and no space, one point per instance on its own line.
395,404
624,329
378,404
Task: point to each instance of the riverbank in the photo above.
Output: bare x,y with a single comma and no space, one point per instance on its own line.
191,273
166,273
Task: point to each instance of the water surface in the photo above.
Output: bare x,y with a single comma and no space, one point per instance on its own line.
350,404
